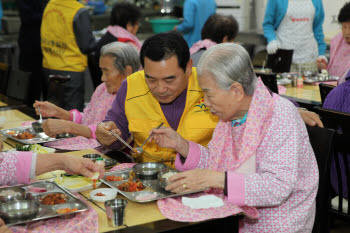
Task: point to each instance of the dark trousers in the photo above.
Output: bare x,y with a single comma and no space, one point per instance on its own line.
36,87
67,95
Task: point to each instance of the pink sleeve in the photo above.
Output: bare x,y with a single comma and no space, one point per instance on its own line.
192,158
76,116
235,188
23,167
93,130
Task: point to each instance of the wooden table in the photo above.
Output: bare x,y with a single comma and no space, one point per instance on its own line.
308,92
143,217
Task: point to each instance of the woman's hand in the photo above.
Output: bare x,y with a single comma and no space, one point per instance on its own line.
48,109
86,167
52,127
310,118
196,180
169,138
3,227
103,135
322,63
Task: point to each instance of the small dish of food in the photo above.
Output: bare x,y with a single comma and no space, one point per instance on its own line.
131,186
164,175
103,194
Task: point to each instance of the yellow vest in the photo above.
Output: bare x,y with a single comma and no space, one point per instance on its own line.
58,43
144,113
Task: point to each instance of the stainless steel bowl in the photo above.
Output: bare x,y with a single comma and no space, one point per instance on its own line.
19,209
12,193
37,127
148,170
93,157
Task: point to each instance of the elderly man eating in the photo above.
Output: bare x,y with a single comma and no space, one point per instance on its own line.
166,91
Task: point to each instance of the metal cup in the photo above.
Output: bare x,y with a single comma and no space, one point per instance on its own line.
115,210
294,80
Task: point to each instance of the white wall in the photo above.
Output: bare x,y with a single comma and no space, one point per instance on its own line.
331,8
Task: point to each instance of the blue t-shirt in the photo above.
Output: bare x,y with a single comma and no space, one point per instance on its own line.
195,13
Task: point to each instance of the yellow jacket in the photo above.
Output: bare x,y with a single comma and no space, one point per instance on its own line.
58,43
144,113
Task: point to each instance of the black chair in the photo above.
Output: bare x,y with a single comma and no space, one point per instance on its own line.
270,80
324,90
321,140
340,122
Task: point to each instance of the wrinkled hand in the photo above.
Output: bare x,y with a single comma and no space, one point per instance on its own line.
47,109
3,227
310,118
195,180
103,135
52,127
272,47
78,165
169,138
322,63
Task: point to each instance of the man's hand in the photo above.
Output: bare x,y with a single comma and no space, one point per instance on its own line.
103,134
310,118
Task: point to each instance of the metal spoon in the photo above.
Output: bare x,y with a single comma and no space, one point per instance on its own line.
139,149
41,117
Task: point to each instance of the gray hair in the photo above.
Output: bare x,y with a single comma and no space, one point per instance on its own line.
125,55
228,63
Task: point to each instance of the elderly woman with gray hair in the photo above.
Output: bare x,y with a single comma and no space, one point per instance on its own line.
117,61
259,156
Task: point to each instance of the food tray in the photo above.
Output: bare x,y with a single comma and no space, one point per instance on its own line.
315,79
39,137
152,192
48,211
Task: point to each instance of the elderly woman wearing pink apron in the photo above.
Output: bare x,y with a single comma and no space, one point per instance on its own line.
117,61
259,156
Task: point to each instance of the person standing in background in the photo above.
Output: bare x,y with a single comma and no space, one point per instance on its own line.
66,38
339,62
296,25
30,56
195,13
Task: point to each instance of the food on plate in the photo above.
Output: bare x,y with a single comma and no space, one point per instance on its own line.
168,175
66,210
36,190
8,192
25,135
114,178
100,194
11,132
23,147
54,199
131,186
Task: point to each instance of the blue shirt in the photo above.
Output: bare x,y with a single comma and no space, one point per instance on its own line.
275,12
195,13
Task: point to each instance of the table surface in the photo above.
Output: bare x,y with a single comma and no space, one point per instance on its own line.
308,92
139,217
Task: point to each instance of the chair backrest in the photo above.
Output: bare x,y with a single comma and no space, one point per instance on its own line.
270,80
324,90
321,140
340,122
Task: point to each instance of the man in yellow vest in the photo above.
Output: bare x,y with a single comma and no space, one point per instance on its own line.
66,38
166,91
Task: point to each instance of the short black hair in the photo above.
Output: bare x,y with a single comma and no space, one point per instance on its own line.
218,26
124,13
344,13
163,46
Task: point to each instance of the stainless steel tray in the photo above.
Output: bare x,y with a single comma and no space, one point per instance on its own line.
49,211
39,137
152,192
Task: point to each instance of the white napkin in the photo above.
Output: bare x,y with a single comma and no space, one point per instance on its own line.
202,202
